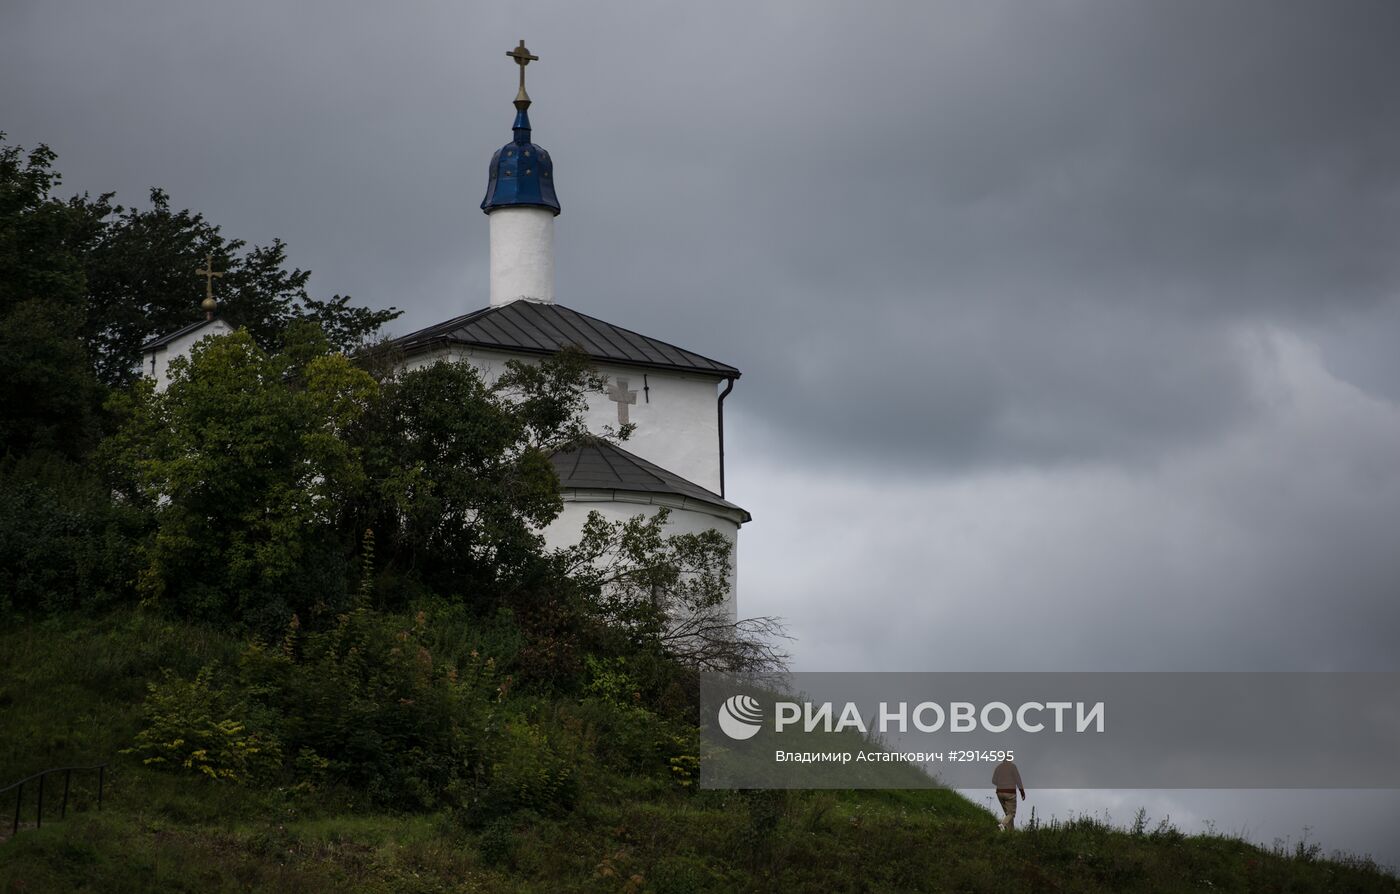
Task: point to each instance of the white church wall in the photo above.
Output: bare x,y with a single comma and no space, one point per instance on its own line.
677,415
613,506
428,358
157,362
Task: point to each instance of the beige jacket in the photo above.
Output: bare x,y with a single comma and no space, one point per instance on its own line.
1006,776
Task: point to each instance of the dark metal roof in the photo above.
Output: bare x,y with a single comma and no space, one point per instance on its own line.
599,465
166,339
537,328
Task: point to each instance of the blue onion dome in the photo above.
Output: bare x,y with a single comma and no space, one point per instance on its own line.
521,172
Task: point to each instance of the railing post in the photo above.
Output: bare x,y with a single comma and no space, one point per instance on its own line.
43,777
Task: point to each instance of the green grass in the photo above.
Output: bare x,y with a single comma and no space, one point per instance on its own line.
70,691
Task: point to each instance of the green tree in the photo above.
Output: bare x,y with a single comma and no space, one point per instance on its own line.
245,463
142,283
84,283
64,544
262,469
47,390
462,470
668,593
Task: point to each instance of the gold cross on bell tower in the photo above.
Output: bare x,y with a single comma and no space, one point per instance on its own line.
209,273
522,58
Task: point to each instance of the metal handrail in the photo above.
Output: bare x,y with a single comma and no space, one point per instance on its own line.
67,779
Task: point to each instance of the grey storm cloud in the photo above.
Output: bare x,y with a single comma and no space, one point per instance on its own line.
974,233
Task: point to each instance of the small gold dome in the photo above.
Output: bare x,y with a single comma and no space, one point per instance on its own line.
208,305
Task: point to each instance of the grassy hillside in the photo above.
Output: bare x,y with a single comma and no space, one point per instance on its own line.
71,691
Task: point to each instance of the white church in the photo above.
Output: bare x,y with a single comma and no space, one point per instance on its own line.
673,397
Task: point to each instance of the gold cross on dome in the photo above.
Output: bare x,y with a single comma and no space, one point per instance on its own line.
209,273
522,58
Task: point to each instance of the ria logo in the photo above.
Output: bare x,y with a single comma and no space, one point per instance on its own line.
740,717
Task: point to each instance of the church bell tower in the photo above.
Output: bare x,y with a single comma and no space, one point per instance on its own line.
521,204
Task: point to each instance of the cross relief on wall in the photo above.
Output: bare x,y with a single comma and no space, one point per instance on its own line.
619,393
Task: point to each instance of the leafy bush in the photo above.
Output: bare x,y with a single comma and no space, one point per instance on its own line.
616,725
367,703
198,726
497,843
528,771
364,704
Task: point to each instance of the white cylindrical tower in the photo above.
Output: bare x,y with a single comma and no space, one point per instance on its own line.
521,202
522,254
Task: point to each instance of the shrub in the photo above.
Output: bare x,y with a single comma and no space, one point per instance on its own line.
198,726
369,704
497,843
528,772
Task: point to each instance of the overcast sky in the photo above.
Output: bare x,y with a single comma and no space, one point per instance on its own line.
1069,330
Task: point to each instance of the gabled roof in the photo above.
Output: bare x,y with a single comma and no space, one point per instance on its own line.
598,465
163,340
535,328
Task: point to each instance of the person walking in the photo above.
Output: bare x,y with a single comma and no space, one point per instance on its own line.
1007,780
